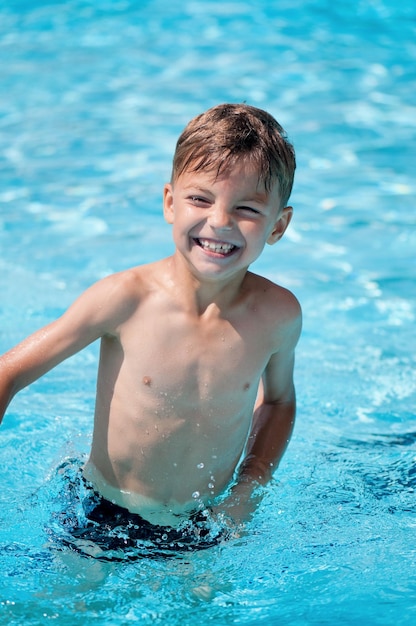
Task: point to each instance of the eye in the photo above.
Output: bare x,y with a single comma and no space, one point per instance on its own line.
198,200
249,209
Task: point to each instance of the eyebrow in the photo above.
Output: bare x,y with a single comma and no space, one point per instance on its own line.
196,188
259,196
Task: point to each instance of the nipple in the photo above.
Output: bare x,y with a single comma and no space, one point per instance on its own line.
147,381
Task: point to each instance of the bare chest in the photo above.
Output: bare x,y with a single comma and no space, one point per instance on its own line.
215,362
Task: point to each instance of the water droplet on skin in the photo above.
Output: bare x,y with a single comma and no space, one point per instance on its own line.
196,495
211,486
200,466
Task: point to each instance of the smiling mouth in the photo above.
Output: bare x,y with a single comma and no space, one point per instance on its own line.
217,247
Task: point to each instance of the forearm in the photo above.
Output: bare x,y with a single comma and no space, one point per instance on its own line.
10,380
270,435
6,394
272,429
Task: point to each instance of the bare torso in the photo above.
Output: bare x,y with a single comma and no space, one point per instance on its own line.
175,396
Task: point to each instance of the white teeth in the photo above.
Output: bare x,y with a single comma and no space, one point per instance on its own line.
213,246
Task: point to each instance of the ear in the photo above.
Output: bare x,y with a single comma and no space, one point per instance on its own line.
280,226
168,203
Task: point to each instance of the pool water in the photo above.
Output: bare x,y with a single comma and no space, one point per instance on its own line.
93,97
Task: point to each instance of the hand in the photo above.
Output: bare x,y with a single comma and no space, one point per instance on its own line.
239,506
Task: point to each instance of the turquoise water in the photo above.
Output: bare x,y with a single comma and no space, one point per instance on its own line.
93,96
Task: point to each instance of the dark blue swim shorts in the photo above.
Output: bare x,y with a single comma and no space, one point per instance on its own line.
94,526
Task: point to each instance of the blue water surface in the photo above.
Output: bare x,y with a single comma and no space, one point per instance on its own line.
93,97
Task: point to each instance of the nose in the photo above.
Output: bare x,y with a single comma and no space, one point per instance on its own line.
220,218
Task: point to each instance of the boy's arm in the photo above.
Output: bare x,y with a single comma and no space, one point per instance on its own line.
39,353
272,427
95,312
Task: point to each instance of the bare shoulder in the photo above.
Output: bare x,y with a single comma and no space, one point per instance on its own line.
129,285
273,298
111,300
278,308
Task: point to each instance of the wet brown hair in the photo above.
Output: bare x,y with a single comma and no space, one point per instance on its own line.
228,133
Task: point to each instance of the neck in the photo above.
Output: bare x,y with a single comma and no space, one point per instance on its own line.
198,294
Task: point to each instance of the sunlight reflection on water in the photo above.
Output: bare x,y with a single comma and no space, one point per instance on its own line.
94,96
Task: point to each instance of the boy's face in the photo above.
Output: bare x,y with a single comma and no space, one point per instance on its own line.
221,225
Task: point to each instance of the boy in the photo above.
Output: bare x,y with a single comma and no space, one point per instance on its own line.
195,381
